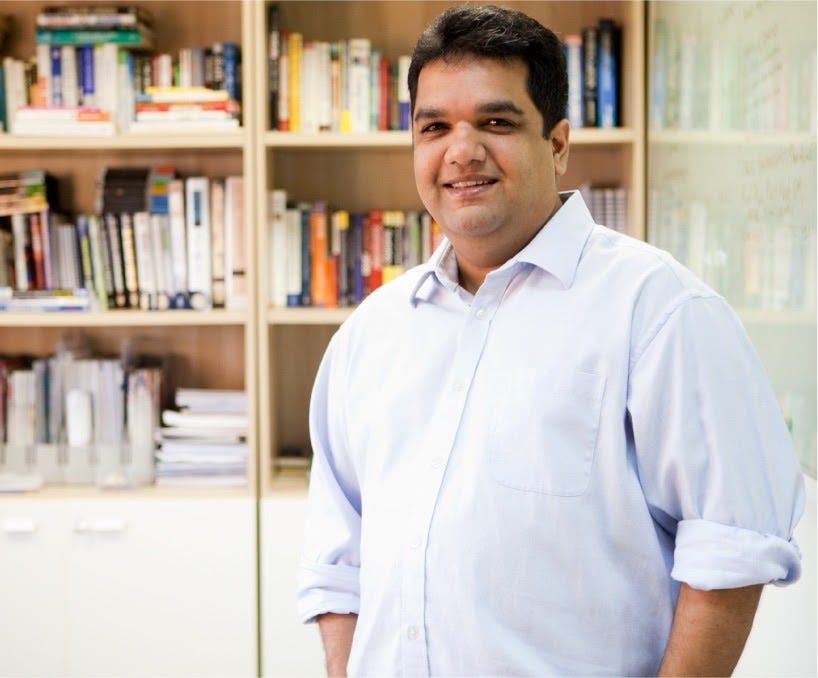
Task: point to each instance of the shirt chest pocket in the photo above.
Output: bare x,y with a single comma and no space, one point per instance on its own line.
544,433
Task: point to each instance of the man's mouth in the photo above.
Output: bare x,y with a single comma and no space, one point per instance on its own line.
469,183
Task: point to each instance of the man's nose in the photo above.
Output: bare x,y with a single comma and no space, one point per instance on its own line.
465,146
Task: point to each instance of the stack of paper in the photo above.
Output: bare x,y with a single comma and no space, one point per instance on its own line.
204,441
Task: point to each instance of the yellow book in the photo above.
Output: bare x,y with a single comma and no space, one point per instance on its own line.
296,47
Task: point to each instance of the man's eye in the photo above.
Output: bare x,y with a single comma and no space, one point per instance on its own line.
432,127
498,122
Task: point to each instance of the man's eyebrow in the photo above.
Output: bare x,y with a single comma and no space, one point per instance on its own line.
498,106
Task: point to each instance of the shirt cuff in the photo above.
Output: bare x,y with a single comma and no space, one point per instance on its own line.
326,588
712,556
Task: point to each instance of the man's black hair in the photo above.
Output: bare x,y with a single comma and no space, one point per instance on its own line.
498,33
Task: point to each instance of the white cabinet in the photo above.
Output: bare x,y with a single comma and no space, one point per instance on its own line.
128,587
288,648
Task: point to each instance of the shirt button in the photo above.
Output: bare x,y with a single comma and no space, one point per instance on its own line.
459,386
414,543
412,633
436,462
480,313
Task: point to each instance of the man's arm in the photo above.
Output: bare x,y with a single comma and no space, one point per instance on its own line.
709,631
336,634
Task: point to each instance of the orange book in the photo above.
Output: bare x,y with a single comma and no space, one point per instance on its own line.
319,282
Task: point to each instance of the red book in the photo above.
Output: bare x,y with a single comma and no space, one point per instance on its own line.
383,113
37,250
376,249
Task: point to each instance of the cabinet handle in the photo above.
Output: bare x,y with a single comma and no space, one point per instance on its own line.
19,525
100,525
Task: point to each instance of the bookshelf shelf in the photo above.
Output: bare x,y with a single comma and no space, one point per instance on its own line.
307,316
777,318
330,140
63,492
117,318
181,139
730,138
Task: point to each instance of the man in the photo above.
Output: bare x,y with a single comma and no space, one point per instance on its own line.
550,450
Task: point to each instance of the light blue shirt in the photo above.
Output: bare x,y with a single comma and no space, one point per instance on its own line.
516,482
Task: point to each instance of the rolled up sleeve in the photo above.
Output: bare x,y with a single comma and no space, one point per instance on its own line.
715,459
328,577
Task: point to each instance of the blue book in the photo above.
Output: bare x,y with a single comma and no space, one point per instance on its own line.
357,249
86,73
56,76
608,75
232,70
306,258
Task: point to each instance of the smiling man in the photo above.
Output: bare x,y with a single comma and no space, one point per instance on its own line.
550,450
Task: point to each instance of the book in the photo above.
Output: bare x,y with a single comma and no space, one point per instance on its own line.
145,261
178,244
120,297
129,263
198,230
319,283
218,253
279,252
100,285
90,16
574,68
590,52
293,249
141,38
608,74
236,264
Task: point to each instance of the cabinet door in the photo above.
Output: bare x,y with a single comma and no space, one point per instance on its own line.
288,648
32,597
162,587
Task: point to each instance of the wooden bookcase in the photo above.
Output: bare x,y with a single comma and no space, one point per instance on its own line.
214,349
273,352
359,172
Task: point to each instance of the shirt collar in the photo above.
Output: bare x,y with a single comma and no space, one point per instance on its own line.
556,248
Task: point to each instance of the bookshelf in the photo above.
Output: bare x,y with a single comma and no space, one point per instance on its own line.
340,168
211,349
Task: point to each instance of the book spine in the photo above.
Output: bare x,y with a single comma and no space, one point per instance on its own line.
97,263
590,53
306,257
48,258
283,106
56,76
318,254
129,264
86,262
573,63
163,258
273,55
218,255
145,263
232,70
130,38
197,218
356,258
178,240
403,92
70,80
293,256
339,246
238,293
278,246
44,76
20,233
294,88
376,228
86,70
608,75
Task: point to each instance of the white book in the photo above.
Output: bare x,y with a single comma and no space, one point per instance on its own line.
236,283
309,87
106,76
359,90
70,81
163,259
197,219
178,243
145,264
19,231
277,211
324,87
43,58
209,420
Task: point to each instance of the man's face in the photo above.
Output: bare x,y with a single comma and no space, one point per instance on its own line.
482,166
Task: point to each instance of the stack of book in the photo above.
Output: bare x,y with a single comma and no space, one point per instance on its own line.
332,257
204,441
190,108
594,61
608,205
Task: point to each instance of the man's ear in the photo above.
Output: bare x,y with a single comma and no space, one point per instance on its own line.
559,146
